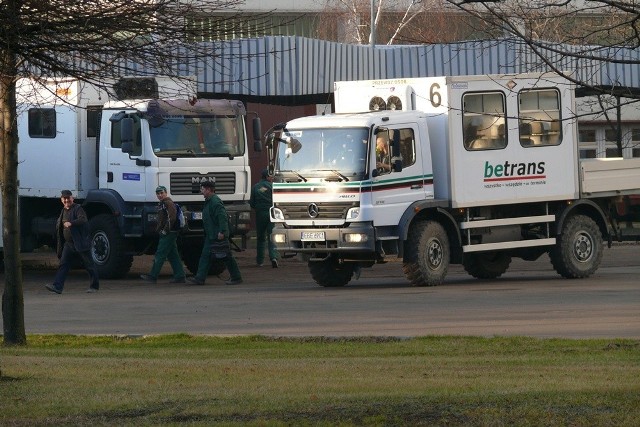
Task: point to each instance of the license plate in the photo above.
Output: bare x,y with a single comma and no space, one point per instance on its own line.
196,215
312,236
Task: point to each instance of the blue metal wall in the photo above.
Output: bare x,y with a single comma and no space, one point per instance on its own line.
298,66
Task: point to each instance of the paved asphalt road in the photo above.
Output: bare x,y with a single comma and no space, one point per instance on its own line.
530,299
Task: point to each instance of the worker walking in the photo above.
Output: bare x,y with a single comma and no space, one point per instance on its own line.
167,246
72,232
261,201
216,230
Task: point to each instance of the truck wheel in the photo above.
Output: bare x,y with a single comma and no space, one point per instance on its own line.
410,270
578,249
429,246
191,258
108,248
330,273
486,265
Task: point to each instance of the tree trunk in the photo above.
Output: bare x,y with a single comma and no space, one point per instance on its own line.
12,297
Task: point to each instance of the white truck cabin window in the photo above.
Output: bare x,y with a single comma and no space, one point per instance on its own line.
384,151
93,120
407,147
314,152
42,123
539,117
198,135
483,121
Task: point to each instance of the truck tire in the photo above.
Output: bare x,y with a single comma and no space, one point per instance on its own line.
330,273
108,248
429,245
191,258
486,265
579,248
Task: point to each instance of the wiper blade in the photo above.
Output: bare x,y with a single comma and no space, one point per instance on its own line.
296,174
173,153
338,174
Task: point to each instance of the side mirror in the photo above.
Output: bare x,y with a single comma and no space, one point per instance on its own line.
269,140
396,164
294,144
126,130
396,156
257,134
127,139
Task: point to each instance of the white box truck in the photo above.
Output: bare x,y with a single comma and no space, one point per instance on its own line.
471,170
112,154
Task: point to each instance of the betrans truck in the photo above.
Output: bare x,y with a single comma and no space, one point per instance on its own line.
471,170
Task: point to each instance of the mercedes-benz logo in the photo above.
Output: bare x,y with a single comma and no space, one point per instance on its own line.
313,210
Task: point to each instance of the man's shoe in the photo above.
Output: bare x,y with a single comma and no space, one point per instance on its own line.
92,290
148,278
233,282
274,263
178,280
51,288
194,281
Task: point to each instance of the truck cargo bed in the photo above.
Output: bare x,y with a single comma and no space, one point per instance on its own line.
609,177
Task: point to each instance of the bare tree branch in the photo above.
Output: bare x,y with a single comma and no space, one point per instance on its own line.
93,41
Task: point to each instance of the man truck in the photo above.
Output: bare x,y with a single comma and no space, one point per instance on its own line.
113,153
476,170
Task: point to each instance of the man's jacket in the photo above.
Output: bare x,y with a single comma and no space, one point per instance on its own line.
214,218
79,229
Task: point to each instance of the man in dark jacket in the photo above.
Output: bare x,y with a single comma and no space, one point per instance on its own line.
72,232
216,227
261,201
167,246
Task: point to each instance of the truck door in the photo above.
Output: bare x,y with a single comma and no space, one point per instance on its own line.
393,190
125,172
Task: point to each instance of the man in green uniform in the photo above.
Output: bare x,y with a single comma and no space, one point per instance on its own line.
261,201
167,246
216,227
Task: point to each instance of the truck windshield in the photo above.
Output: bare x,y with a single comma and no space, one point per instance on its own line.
197,136
340,153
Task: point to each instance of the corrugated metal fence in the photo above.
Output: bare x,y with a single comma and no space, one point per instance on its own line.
297,66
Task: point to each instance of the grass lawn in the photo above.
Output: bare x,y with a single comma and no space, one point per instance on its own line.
194,380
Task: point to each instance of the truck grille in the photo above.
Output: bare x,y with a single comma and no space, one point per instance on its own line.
186,183
324,210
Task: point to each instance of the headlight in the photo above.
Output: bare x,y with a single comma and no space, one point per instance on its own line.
244,216
355,237
279,238
353,213
277,214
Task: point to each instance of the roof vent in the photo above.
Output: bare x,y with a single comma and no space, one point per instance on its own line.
136,88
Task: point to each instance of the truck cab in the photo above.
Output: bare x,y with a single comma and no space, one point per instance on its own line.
113,151
330,172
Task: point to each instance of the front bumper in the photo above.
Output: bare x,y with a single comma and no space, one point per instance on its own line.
352,239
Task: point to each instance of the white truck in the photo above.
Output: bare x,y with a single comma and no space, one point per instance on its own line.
112,154
480,169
